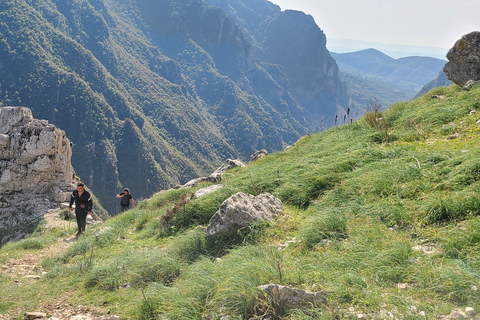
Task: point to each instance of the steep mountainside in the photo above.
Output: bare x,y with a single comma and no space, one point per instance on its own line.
292,40
154,93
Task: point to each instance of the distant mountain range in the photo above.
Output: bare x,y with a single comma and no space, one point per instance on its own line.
372,74
393,50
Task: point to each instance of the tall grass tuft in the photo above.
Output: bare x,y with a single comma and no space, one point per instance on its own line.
326,225
377,120
190,245
239,276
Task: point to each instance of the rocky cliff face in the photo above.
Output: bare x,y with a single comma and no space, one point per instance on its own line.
35,171
293,41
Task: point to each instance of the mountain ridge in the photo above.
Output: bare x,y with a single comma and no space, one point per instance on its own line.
170,97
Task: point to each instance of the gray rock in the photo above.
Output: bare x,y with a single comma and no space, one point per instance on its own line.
464,60
242,209
35,315
204,191
258,155
227,165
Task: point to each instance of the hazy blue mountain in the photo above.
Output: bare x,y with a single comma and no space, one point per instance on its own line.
397,79
156,92
393,50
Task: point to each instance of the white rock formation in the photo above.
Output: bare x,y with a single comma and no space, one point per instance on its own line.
242,209
35,171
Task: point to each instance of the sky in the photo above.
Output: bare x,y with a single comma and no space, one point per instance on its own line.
425,23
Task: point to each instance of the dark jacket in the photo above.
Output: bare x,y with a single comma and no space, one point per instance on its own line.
82,203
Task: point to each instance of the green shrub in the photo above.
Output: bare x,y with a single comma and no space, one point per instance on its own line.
199,211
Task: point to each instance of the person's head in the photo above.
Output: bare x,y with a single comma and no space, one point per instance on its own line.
80,186
126,191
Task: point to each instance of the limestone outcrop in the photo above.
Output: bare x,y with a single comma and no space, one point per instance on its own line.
243,209
36,173
464,60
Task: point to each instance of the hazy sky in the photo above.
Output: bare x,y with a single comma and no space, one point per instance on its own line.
427,23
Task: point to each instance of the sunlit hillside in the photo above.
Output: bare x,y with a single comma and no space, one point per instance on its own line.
382,214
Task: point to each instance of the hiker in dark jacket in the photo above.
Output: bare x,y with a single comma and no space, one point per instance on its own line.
83,206
126,199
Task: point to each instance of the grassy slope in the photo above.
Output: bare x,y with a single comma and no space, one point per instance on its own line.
356,206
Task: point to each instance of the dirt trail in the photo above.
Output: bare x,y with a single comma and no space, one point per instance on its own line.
22,269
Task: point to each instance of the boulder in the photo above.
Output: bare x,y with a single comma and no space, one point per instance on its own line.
464,60
36,173
242,209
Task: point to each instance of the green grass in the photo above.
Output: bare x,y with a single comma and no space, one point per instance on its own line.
358,214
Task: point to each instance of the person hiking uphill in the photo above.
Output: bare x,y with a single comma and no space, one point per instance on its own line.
83,206
126,199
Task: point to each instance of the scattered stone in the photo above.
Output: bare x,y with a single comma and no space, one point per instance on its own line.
35,315
287,243
204,191
425,249
242,209
470,312
441,97
470,84
258,155
453,136
227,165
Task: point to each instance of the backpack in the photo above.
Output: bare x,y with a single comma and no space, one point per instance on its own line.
124,202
